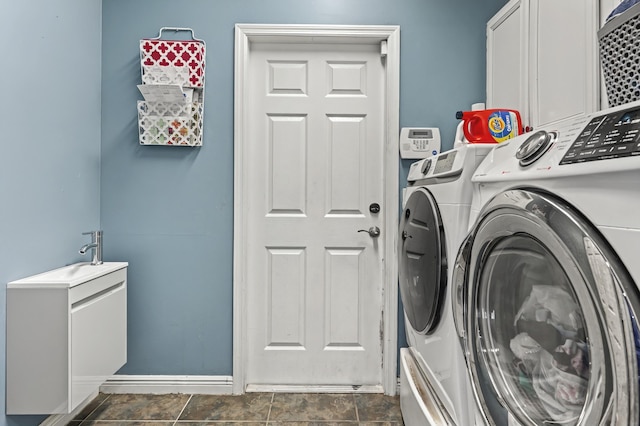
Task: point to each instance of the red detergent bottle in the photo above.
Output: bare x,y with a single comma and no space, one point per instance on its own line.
490,125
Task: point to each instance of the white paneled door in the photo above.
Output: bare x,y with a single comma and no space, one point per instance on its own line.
315,175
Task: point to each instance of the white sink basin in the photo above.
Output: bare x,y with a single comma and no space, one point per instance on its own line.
70,275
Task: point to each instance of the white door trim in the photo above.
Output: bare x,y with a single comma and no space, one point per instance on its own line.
244,35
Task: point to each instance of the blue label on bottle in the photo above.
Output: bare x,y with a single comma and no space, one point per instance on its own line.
501,126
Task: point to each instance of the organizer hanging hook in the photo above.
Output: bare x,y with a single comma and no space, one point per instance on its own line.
177,29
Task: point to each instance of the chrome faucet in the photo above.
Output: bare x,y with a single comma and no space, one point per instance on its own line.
95,246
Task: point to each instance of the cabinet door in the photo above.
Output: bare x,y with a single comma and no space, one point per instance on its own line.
507,50
98,340
563,60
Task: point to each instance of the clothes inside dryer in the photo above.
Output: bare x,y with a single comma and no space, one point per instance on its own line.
423,264
533,334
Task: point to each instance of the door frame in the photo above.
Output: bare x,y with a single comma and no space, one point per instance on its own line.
389,38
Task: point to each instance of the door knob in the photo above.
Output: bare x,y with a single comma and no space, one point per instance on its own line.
374,231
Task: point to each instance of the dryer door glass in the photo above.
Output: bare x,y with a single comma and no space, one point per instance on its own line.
535,347
552,317
422,264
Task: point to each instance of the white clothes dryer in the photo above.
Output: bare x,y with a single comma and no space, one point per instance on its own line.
546,282
434,389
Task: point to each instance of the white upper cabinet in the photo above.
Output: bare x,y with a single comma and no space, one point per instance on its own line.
507,51
542,59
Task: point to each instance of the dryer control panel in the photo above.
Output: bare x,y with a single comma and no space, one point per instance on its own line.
613,135
442,165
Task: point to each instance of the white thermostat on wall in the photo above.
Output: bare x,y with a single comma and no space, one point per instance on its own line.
419,142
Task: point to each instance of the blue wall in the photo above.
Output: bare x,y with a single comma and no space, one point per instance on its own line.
50,141
169,211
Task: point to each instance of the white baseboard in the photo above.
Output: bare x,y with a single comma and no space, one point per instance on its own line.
315,388
323,388
209,385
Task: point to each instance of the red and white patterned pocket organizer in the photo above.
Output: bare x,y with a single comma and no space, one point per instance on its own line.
172,62
177,122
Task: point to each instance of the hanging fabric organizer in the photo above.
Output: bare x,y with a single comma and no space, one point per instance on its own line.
173,74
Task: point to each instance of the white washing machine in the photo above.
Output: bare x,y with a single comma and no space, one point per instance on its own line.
434,388
546,282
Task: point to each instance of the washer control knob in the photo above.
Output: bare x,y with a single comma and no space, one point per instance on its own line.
535,146
426,166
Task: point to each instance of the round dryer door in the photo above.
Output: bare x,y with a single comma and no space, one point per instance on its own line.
422,263
549,317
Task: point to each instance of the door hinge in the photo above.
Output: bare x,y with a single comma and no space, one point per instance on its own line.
383,48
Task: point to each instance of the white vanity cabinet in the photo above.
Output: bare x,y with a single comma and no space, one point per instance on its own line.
66,334
542,59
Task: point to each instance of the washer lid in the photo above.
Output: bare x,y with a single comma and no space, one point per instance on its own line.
423,262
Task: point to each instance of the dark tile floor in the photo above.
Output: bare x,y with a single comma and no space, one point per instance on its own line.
251,409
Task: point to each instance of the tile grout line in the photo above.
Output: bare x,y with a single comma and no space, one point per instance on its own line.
273,396
177,422
94,410
355,404
182,411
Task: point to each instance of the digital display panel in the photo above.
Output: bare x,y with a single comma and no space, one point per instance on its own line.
629,117
420,134
445,163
